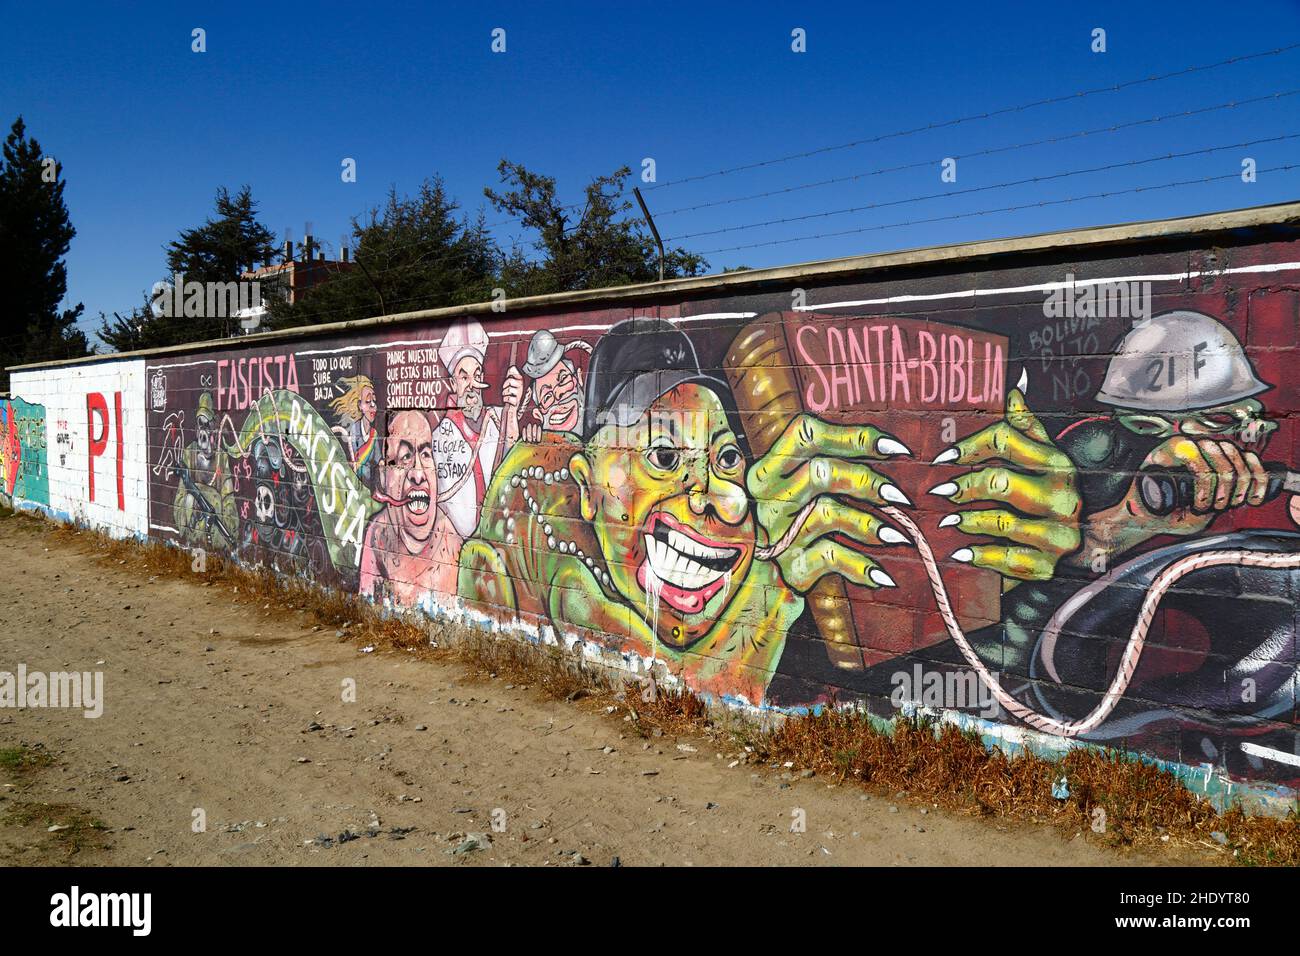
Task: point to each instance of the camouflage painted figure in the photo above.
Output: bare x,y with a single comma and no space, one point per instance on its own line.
1182,388
204,507
651,526
1183,392
1186,424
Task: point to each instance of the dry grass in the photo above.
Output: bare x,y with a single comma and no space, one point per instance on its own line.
1142,804
937,763
329,607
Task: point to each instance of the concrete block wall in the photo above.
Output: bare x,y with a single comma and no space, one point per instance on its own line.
95,433
749,485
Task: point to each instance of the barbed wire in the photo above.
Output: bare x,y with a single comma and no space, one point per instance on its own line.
975,117
976,189
91,330
1065,137
986,212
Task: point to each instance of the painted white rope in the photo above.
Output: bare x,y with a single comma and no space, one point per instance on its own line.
1165,580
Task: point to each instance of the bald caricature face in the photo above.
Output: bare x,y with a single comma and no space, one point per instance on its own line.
407,477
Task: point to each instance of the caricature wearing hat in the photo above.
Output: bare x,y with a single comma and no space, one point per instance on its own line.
634,364
471,438
641,526
556,389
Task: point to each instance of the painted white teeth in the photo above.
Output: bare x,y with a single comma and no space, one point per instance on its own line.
678,568
685,545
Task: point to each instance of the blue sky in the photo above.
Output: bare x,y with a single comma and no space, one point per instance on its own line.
146,129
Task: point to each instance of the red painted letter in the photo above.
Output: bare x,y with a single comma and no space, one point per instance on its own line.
95,404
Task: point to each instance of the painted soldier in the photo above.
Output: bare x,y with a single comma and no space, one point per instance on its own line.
204,507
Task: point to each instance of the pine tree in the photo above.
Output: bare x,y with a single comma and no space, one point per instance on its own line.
35,234
413,253
221,250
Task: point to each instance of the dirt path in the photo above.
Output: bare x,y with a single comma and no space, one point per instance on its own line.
248,725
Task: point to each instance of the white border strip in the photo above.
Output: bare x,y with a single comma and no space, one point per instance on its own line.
1268,753
1052,286
436,341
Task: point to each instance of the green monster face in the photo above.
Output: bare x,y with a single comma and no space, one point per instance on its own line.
667,501
1243,422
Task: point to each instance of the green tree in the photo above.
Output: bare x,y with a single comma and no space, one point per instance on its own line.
226,246
35,234
136,329
413,253
600,247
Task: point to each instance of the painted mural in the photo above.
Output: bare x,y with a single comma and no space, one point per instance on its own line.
84,426
24,470
1063,500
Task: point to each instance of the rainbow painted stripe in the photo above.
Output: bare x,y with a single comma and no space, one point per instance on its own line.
365,452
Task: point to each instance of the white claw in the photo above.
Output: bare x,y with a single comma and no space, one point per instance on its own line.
950,521
1023,384
964,555
881,578
890,446
945,456
891,493
945,490
893,536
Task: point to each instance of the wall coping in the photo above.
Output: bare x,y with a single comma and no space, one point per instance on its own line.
734,283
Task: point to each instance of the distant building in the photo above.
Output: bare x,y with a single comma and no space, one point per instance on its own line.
292,278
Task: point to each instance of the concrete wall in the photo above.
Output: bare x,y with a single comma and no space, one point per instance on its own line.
94,443
750,485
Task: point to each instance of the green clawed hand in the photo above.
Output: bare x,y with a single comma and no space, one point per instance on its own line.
1036,487
817,466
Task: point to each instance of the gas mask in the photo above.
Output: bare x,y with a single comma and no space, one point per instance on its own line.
1242,423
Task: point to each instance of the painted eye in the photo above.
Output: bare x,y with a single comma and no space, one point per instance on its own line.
729,458
664,457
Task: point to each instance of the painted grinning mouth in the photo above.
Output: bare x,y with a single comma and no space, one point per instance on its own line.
683,567
417,502
560,412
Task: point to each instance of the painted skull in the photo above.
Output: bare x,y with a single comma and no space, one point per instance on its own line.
264,504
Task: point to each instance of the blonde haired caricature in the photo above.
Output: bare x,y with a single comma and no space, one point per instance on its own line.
356,409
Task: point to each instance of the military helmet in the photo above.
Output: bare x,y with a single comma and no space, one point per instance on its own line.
206,410
1176,362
